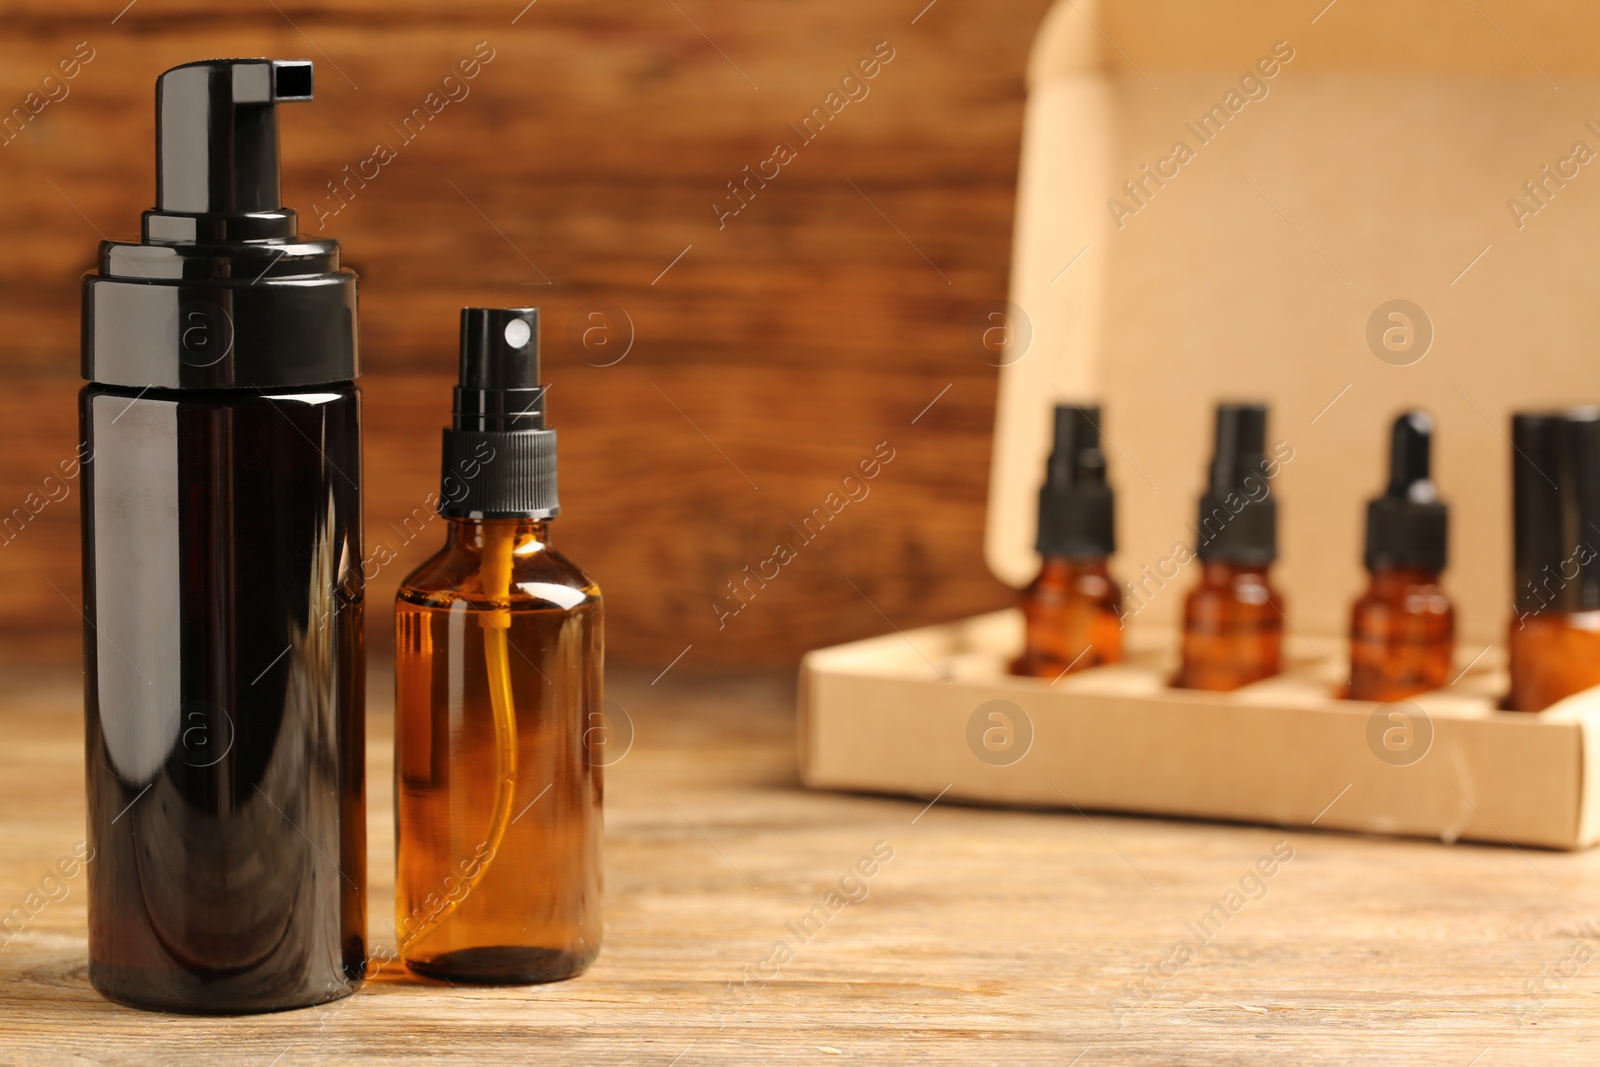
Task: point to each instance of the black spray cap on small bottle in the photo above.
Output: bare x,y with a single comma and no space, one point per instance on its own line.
1075,503
499,460
1238,513
1555,488
1408,526
220,292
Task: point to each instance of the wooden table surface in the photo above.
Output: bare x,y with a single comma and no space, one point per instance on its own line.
989,937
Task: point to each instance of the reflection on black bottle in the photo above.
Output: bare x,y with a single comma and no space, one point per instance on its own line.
225,696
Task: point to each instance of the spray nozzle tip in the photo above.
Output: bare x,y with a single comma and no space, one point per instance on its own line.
1076,456
1075,503
499,348
1240,446
291,79
263,81
499,387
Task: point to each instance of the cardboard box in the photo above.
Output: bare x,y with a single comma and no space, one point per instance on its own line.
1370,157
930,712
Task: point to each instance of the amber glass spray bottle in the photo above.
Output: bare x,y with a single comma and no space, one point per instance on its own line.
498,665
1402,629
1555,627
1073,608
1233,619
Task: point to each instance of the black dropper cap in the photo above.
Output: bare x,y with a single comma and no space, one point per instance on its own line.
220,292
1408,526
499,460
1075,503
1238,514
1555,487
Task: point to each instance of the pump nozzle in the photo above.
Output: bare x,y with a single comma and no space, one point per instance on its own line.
499,460
1238,514
221,291
217,137
499,387
1075,504
1076,456
1408,526
1241,446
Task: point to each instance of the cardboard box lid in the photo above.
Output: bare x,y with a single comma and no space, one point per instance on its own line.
1378,162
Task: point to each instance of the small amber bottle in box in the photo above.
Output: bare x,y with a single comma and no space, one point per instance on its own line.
1073,608
1402,628
1554,639
1233,618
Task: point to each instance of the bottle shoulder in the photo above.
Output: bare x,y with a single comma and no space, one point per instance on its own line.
540,580
1061,580
1227,585
320,395
1404,592
1228,577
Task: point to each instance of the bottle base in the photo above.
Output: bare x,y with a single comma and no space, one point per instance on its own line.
1217,682
1384,691
138,988
501,965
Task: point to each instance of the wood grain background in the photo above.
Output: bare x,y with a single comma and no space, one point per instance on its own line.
778,351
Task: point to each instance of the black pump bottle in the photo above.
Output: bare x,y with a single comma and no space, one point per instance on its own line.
224,671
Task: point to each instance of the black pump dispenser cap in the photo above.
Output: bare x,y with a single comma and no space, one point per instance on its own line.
1238,512
220,292
1408,526
499,460
217,138
1075,503
1555,485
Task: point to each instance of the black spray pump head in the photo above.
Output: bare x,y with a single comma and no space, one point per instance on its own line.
1238,513
220,292
1555,490
1075,503
217,147
499,460
1408,526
